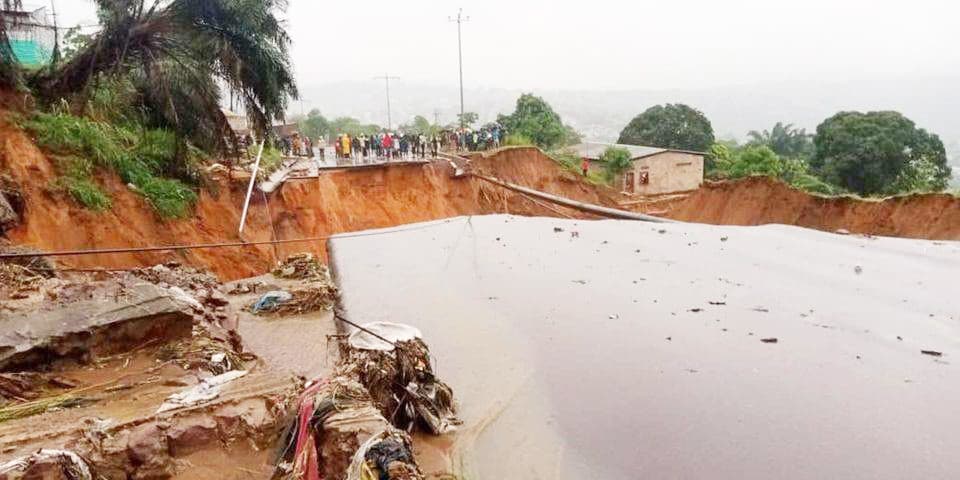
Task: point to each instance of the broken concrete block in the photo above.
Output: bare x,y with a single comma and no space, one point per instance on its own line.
191,435
97,327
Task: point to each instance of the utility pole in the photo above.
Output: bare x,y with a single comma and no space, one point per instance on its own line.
460,19
386,78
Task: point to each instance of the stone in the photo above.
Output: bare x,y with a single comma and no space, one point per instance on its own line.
189,435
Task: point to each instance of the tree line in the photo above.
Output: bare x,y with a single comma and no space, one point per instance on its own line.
873,153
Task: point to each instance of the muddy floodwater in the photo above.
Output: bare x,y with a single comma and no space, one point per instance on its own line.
619,349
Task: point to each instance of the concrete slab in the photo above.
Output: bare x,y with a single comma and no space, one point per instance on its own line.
100,326
619,349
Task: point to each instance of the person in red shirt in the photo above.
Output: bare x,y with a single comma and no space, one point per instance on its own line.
585,166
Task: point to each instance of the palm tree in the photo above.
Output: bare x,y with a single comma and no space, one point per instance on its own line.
177,53
785,140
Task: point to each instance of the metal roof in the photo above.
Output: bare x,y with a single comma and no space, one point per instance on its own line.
594,150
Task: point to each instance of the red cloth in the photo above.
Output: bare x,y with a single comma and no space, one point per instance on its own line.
305,463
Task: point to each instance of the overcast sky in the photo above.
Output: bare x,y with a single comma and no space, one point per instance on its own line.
614,44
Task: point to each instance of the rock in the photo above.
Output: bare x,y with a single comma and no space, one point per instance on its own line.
192,434
8,216
217,299
147,443
94,327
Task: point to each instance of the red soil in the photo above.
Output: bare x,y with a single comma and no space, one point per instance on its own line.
344,201
762,200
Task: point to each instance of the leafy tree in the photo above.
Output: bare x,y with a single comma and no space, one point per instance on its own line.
533,118
314,125
74,40
351,126
420,125
670,126
468,119
756,160
785,140
616,160
878,152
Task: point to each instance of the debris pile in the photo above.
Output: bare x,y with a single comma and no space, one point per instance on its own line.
357,425
314,290
302,266
393,363
338,433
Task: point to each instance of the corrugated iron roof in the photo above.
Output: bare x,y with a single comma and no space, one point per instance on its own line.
594,150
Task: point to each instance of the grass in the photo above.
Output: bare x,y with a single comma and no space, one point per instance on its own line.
86,192
143,158
571,162
517,140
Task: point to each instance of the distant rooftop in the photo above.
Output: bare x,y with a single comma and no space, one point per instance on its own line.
594,150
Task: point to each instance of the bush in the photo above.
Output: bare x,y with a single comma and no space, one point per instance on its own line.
140,156
86,192
616,161
517,140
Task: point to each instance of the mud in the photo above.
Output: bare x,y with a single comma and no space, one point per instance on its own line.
355,200
761,201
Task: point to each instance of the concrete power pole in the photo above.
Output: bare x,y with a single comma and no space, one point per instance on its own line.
386,78
460,19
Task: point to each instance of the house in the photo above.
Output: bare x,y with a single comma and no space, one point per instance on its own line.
238,122
32,35
654,171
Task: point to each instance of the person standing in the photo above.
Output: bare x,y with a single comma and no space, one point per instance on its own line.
387,145
585,166
322,147
345,146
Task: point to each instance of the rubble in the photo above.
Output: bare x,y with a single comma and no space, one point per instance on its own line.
399,377
94,327
313,291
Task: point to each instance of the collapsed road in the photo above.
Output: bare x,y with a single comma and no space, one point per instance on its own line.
617,349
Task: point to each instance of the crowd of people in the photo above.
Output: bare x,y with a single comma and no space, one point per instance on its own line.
386,146
392,146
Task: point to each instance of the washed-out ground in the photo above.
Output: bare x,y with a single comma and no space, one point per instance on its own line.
617,349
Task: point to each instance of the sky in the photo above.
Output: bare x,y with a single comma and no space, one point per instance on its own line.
614,44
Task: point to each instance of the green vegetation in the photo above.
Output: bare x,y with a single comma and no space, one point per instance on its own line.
616,160
570,161
144,92
468,119
352,126
731,161
785,140
879,153
674,126
421,126
141,158
534,119
271,160
314,125
517,140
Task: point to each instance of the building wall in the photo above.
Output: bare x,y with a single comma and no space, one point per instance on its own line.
667,172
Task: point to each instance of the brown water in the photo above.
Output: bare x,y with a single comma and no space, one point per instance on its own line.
595,351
